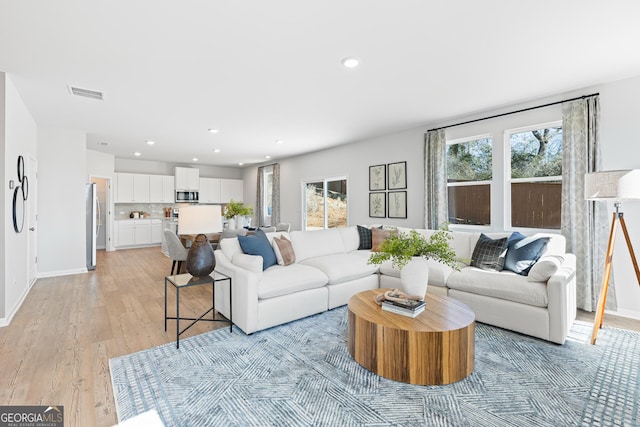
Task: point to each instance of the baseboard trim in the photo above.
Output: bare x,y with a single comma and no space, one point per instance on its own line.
45,274
5,321
632,314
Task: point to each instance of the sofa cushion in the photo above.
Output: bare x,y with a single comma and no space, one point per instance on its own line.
523,252
310,244
364,235
283,249
230,247
279,280
504,285
350,238
489,253
258,244
342,268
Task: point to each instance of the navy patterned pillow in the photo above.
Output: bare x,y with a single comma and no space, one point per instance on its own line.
523,252
489,253
365,237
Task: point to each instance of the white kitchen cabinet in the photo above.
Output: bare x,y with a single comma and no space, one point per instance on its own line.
140,188
156,231
124,187
161,189
187,179
126,233
142,232
132,188
209,190
138,232
231,189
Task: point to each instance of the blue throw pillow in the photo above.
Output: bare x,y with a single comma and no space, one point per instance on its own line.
523,252
258,244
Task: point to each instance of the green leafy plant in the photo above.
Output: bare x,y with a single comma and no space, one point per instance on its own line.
237,208
401,247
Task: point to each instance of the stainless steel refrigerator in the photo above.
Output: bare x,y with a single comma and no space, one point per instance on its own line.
92,225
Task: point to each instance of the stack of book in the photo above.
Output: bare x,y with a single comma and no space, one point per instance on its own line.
408,307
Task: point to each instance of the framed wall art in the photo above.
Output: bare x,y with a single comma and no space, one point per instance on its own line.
377,205
377,177
397,176
397,204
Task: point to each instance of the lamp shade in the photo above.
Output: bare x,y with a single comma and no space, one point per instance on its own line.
199,219
615,185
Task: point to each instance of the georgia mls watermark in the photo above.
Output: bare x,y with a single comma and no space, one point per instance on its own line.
31,416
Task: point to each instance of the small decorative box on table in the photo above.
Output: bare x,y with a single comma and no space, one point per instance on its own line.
180,281
436,347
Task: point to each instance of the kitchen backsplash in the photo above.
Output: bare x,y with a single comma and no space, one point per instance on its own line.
154,210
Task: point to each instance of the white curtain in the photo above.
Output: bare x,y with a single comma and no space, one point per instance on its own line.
584,223
436,209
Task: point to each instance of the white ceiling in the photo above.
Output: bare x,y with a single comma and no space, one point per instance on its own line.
265,70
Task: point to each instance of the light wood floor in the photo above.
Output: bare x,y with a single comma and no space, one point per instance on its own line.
57,348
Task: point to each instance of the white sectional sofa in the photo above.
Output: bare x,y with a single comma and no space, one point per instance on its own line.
329,269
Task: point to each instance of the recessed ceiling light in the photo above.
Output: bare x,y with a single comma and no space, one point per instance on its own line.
137,153
151,142
240,164
279,141
267,157
195,159
350,62
214,130
216,150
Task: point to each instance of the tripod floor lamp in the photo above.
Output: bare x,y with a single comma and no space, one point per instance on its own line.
612,186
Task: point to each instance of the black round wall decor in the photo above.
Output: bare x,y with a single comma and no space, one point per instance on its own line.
20,168
25,188
18,210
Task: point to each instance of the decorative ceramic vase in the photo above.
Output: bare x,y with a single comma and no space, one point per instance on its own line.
200,260
231,224
414,277
239,222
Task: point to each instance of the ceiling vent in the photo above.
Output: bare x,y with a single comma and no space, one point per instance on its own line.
93,94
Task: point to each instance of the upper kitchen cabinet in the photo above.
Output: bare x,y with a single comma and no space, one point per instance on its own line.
209,190
132,188
231,189
161,189
187,179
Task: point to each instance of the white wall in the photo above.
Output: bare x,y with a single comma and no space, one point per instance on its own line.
19,136
62,164
620,135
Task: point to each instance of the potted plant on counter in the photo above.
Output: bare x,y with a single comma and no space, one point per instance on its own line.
235,213
409,253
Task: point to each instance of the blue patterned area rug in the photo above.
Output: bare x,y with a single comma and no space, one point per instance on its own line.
301,374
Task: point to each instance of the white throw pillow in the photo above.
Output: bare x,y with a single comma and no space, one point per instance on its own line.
545,268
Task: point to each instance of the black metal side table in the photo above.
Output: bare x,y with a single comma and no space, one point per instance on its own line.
180,281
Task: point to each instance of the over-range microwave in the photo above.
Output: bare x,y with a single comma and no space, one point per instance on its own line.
186,197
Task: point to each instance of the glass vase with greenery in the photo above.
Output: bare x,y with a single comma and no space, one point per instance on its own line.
233,209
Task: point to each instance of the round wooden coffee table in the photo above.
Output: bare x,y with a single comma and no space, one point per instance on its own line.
435,347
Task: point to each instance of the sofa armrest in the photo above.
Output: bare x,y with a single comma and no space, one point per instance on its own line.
561,291
244,289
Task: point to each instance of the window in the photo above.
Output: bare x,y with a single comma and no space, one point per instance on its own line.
267,193
325,203
469,174
535,176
